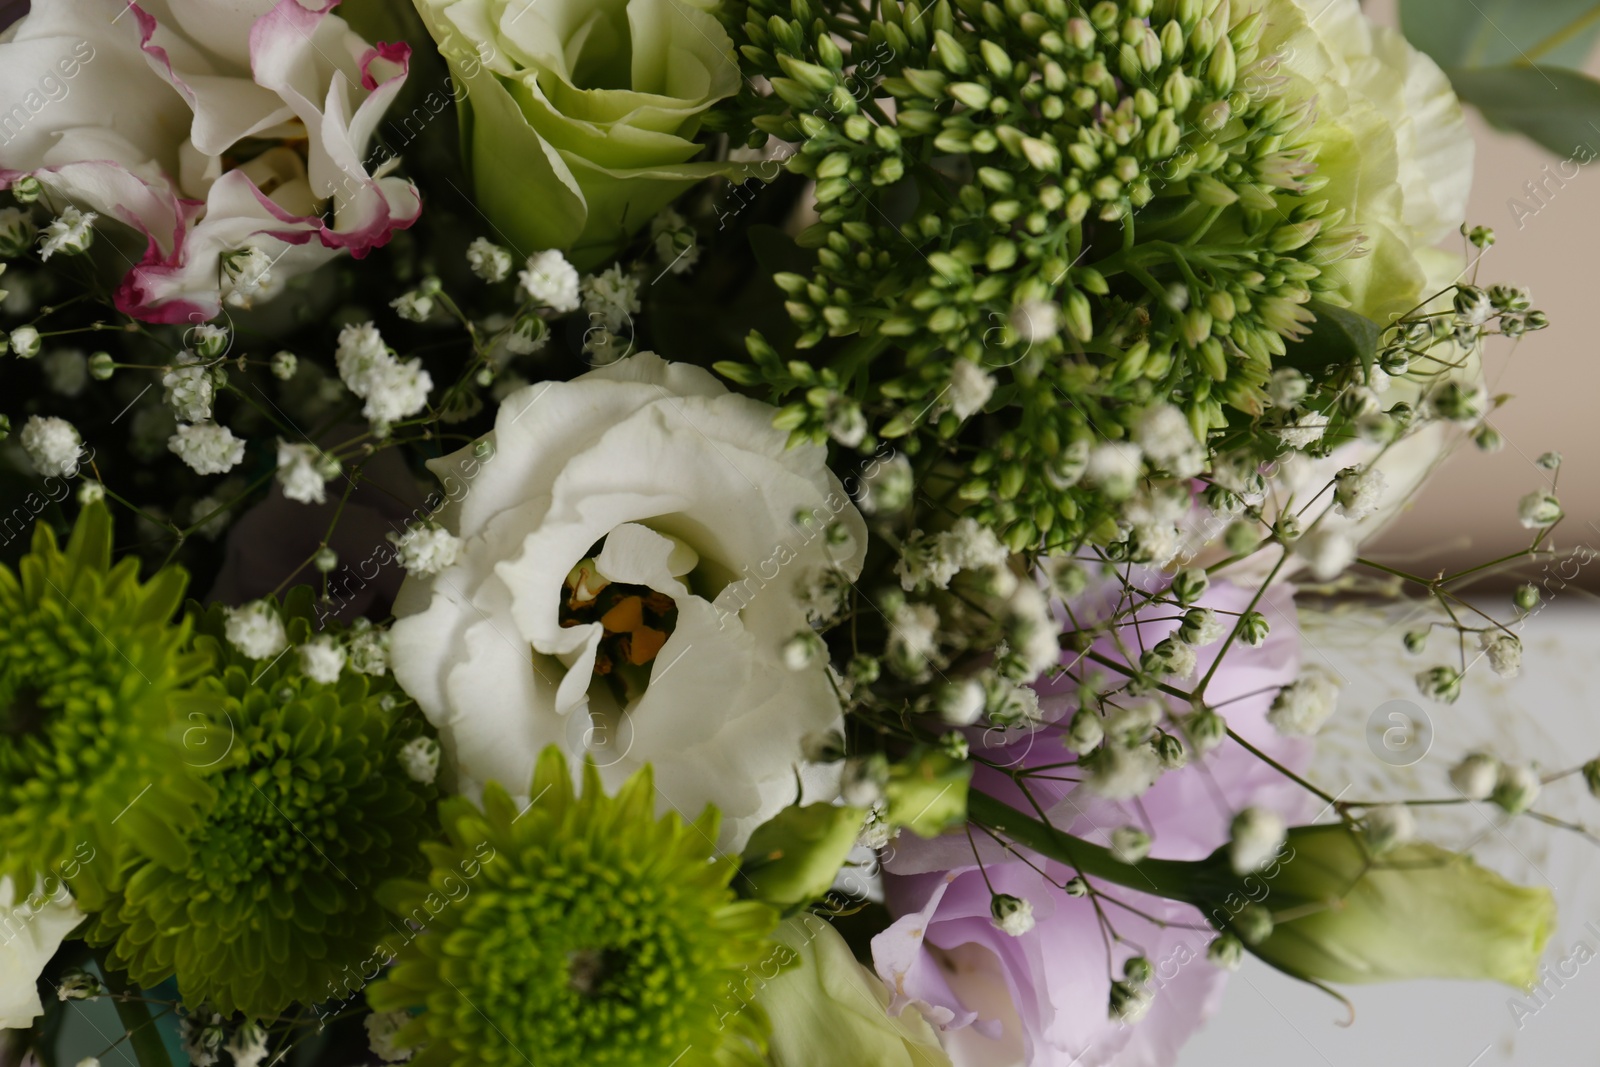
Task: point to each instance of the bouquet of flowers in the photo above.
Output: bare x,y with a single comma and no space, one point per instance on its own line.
693,533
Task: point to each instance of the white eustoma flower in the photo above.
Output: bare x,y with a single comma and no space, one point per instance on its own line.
207,128
34,928
651,467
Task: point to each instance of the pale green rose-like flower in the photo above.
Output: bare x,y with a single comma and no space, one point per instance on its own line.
1417,911
827,1008
1393,144
578,116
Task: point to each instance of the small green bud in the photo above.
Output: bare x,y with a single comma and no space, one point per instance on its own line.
1226,952
1416,641
1253,924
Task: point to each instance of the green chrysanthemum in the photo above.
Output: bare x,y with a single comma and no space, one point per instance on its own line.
314,810
91,669
581,930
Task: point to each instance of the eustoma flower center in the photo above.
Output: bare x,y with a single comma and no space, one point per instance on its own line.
637,621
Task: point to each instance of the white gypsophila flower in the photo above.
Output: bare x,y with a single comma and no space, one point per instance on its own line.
361,349
70,232
1011,915
322,659
1015,704
247,274
675,241
426,550
1256,835
1032,631
1201,627
1327,551
847,424
488,260
800,651
256,629
823,591
527,335
1175,658
413,305
215,522
550,281
1121,773
913,638
1539,509
207,448
877,831
248,1046
35,925
91,492
1304,431
569,494
209,341
1036,320
935,560
1387,826
189,389
66,371
605,347
396,390
1115,466
1517,788
369,652
1300,708
611,297
25,342
52,444
1504,652
1154,543
1286,388
1130,844
886,486
1357,492
420,758
970,388
202,1037
300,474
284,364
1475,776
959,703
1163,434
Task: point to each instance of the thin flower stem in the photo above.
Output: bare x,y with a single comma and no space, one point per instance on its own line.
143,1037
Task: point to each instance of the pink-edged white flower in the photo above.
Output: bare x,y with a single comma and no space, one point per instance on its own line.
227,133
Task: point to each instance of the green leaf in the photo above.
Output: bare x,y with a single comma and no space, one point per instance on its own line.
1490,33
1554,107
1338,337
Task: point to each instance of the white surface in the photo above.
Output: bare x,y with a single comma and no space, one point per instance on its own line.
1551,715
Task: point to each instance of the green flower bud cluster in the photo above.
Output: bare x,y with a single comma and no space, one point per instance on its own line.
1093,209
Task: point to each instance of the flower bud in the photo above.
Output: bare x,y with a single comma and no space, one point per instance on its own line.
801,650
1226,952
1190,585
1526,597
1130,844
25,342
26,190
1257,835
793,858
927,792
1419,911
1011,914
1129,1002
1440,683
1388,826
1475,776
1085,732
1591,777
1517,788
16,232
1137,970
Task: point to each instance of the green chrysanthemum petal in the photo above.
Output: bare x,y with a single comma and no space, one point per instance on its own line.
92,675
314,809
580,930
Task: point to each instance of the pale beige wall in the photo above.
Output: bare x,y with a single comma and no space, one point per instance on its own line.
1467,512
